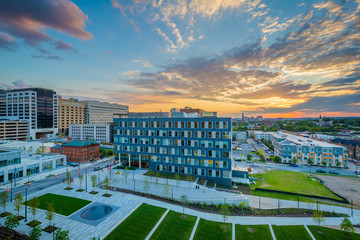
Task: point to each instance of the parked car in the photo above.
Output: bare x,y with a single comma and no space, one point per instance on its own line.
320,171
333,172
294,165
97,168
249,161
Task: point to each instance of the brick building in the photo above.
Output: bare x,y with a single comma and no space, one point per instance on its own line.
79,151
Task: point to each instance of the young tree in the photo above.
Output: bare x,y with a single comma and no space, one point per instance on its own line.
18,202
166,189
93,180
309,161
178,180
323,163
125,174
4,196
68,179
146,184
11,221
107,183
183,200
38,151
62,234
50,212
346,225
34,205
35,233
294,161
318,216
249,157
225,212
338,164
81,179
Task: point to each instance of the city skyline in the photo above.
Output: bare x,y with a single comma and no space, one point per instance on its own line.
271,58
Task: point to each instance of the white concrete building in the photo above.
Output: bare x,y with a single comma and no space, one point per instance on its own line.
258,135
102,112
239,136
27,147
97,132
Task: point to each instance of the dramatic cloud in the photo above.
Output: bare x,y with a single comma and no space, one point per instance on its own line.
60,45
16,84
28,20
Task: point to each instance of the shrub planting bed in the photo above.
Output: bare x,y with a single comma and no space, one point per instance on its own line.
5,214
33,223
50,229
94,192
6,233
80,190
106,195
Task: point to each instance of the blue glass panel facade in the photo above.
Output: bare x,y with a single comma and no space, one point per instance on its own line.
200,147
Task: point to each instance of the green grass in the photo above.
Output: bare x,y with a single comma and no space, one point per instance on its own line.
183,177
175,227
209,230
295,182
259,232
332,234
63,205
139,224
297,232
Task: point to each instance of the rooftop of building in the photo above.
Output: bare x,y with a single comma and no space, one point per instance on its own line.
58,146
302,141
346,142
27,89
80,143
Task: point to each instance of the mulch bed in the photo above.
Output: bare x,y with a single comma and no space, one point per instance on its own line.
80,190
107,195
33,223
5,214
49,229
20,217
93,192
68,188
6,233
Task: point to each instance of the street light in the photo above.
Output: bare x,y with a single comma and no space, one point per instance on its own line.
26,190
86,179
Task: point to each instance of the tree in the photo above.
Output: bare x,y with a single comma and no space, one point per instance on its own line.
34,205
166,189
338,164
93,180
225,212
146,184
35,233
50,212
249,157
178,180
107,183
125,174
81,179
294,160
346,225
62,234
38,151
323,163
18,202
4,196
318,216
183,200
310,162
11,221
277,159
68,179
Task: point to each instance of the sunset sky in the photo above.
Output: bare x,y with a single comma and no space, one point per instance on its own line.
272,58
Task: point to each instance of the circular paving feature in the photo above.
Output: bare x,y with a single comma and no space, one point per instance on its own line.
96,212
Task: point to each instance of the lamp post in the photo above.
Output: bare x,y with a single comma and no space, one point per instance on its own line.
53,231
85,179
26,190
11,189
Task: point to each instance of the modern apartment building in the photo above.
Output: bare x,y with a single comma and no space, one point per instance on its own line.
71,111
14,130
38,106
97,132
305,150
103,112
199,146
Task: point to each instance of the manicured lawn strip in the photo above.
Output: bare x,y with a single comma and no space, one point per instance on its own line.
139,224
329,233
260,232
175,227
296,232
295,182
209,230
63,204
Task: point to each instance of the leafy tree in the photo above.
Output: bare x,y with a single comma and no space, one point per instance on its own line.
68,179
318,216
81,179
178,180
62,234
225,212
18,202
277,159
93,180
146,184
50,212
107,183
294,161
309,161
249,157
338,164
346,225
323,163
4,196
35,233
125,174
34,205
183,200
11,221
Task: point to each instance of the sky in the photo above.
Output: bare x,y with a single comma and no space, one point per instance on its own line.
271,58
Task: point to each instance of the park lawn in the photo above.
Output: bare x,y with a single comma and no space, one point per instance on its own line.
256,232
63,204
209,230
139,224
332,234
296,232
175,227
295,182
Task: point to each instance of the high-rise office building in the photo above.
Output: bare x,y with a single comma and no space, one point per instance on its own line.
199,146
38,106
71,111
103,112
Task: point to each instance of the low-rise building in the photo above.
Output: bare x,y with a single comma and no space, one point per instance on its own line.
97,132
14,130
353,146
258,135
240,136
79,150
305,150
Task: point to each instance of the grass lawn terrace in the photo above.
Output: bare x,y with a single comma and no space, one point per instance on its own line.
209,230
63,204
139,224
295,182
175,227
253,232
297,232
332,234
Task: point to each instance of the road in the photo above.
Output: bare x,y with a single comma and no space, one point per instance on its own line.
51,181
